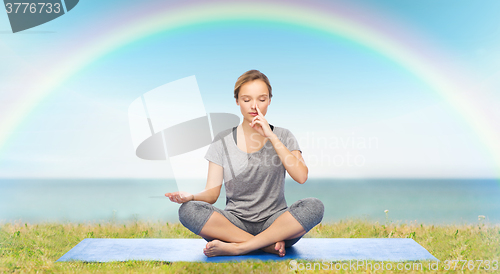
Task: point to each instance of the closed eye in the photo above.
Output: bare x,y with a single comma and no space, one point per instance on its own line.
249,101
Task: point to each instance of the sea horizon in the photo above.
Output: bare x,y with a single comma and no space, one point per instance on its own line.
438,201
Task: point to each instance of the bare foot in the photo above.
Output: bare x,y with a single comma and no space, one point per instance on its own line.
219,248
277,248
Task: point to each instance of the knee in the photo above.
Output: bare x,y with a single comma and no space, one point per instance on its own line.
315,206
189,213
310,211
185,211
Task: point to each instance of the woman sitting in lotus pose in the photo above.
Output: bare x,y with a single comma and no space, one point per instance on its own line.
253,159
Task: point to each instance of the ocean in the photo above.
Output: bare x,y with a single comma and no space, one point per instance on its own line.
427,201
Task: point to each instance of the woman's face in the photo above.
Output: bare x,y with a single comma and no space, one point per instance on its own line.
252,94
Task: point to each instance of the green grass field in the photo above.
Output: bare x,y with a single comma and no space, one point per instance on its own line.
26,248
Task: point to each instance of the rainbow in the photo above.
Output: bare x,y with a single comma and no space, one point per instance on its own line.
315,18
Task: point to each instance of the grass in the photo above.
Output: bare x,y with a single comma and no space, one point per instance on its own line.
33,248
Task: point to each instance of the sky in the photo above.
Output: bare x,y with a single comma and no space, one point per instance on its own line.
356,111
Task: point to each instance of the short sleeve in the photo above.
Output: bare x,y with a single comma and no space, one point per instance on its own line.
215,152
291,142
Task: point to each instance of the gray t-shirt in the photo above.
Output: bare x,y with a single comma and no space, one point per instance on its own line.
254,182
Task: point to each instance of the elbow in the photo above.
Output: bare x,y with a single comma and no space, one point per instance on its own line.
302,180
213,200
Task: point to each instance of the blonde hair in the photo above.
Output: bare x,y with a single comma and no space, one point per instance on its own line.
249,76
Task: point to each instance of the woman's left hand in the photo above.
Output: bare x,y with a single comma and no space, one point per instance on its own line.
260,124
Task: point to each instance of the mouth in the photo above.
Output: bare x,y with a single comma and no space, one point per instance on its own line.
253,113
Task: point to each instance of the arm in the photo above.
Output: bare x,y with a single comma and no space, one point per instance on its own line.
292,160
214,184
211,192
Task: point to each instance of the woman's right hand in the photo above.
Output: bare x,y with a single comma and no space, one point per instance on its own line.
180,197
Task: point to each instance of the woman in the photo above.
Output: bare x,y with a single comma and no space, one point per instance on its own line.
253,159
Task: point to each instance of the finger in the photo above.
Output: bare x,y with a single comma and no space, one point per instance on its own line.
253,120
262,121
258,118
258,110
251,123
258,122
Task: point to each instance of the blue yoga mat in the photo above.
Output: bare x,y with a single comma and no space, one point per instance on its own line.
191,250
